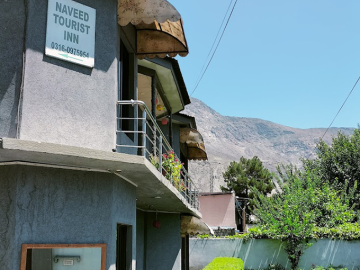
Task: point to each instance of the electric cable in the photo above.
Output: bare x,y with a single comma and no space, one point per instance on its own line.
227,22
212,46
341,107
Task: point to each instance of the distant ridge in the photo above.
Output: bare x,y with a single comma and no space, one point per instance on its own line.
228,138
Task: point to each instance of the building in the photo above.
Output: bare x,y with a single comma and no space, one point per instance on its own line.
89,118
219,212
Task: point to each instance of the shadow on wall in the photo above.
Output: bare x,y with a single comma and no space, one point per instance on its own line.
9,102
336,252
255,253
259,253
11,48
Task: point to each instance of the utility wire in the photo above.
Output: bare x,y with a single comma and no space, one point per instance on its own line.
212,46
341,107
227,22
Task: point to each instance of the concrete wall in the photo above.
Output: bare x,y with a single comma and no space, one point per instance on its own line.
45,205
12,25
158,248
66,103
176,139
140,239
176,136
122,139
260,253
218,210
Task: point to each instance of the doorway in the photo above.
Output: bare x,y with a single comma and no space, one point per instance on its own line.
185,252
124,247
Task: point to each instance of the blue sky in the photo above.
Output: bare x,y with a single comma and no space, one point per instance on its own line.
292,62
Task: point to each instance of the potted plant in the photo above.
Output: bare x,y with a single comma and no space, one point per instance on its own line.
171,168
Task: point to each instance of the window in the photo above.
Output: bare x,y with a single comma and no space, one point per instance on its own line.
55,256
126,92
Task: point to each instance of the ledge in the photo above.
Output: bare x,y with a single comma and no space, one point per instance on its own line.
131,168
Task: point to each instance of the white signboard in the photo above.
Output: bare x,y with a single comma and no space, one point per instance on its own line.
70,32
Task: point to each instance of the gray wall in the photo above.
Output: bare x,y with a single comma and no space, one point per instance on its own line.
66,103
140,239
44,205
176,139
122,139
176,136
161,246
12,25
260,253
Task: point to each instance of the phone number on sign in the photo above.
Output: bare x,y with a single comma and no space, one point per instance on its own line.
68,49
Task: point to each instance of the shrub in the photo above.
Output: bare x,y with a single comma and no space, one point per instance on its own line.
330,267
204,236
224,263
304,203
346,231
171,168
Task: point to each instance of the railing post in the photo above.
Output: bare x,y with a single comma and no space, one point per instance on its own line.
154,138
134,123
197,200
160,154
186,191
144,133
191,194
171,177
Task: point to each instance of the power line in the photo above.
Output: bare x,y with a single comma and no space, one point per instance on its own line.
227,22
341,107
212,46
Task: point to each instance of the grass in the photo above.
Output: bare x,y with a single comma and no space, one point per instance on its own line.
223,263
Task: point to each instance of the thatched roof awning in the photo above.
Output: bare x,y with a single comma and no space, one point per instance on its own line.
159,27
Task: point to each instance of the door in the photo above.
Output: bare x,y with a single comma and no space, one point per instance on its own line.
124,247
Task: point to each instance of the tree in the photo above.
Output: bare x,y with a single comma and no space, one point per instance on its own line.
246,174
338,163
303,203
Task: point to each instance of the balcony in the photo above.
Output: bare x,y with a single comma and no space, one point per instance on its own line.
145,138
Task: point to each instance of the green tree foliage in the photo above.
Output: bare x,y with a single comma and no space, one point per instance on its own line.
304,203
247,173
338,163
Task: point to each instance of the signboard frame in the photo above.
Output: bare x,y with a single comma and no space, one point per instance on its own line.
70,32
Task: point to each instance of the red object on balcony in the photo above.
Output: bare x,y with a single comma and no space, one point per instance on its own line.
157,224
164,121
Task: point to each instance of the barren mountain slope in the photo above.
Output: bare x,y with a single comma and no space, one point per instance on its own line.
229,138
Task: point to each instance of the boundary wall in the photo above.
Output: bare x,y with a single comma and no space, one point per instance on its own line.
259,253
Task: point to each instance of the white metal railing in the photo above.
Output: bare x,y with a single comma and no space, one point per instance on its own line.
154,146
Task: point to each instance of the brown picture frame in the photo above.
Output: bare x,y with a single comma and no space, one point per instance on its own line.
26,247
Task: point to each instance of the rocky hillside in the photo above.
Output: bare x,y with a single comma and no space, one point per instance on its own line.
229,138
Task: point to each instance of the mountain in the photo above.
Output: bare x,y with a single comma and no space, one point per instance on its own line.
228,138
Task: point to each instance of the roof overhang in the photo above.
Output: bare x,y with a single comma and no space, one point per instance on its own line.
160,40
193,225
171,80
195,143
159,27
146,11
151,187
184,120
